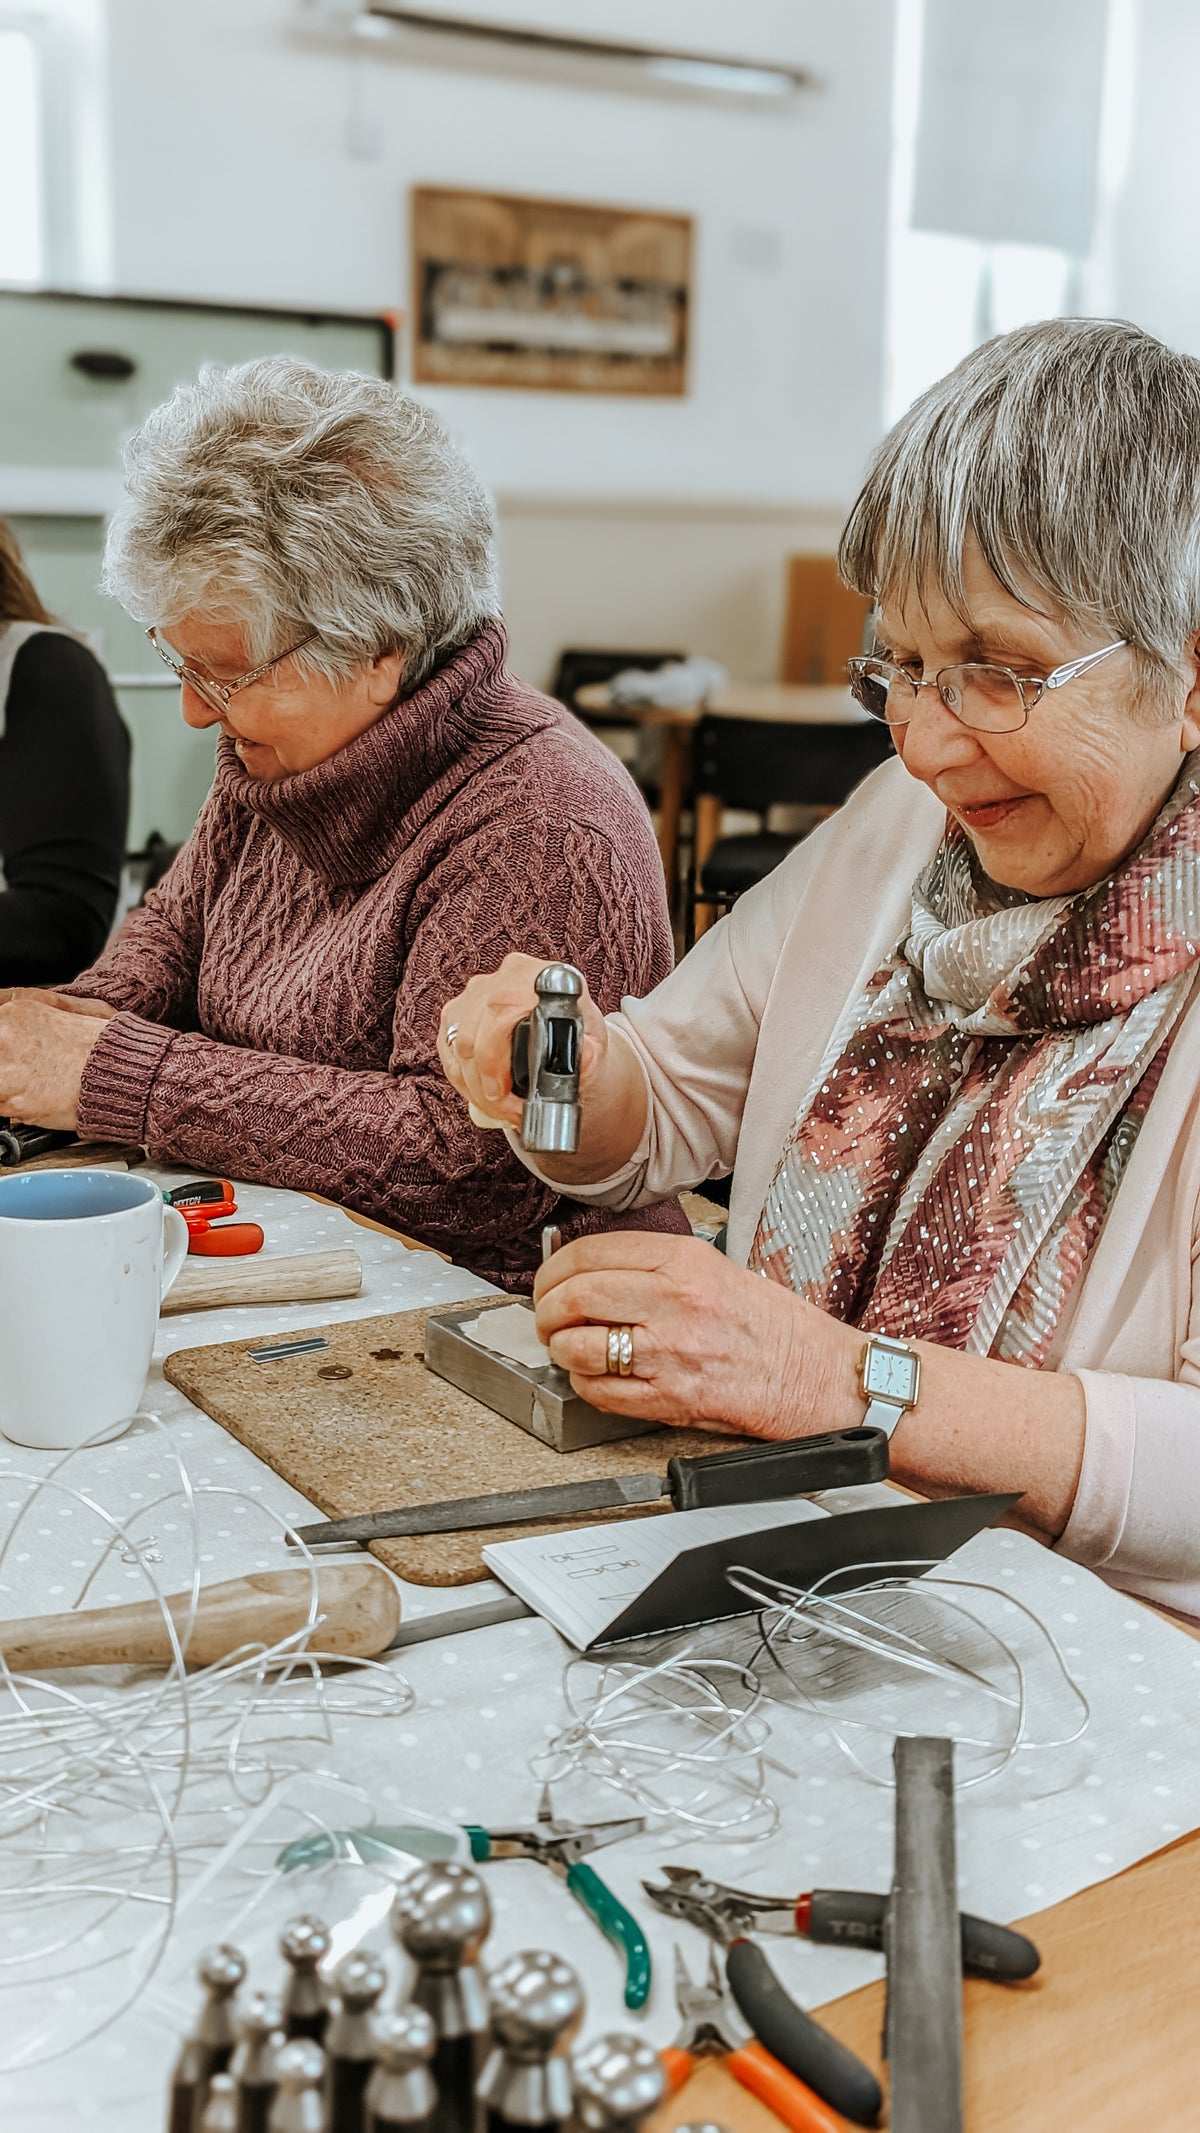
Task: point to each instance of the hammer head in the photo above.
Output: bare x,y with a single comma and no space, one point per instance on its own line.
546,1050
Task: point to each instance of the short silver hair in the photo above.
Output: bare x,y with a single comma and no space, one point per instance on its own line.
1071,449
291,500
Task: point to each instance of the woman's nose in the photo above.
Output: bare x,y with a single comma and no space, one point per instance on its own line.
196,712
934,740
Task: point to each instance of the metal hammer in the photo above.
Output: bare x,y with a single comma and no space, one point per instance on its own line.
546,1049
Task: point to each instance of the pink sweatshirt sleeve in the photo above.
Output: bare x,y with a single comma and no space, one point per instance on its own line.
1137,1507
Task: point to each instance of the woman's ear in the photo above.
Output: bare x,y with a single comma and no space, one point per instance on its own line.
1189,732
385,675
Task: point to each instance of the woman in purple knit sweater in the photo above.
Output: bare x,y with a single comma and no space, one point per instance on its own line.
391,811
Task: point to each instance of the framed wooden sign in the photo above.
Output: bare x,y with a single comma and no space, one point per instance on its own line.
548,294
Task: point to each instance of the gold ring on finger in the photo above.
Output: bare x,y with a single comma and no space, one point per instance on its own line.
620,1351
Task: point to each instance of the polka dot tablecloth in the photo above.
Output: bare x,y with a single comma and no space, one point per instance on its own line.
483,1704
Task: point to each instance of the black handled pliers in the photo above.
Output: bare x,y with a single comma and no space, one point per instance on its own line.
781,2026
852,1918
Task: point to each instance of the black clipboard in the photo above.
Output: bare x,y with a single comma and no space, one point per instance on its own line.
902,1539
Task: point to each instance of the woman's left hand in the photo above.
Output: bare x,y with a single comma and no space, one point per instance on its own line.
714,1347
45,1044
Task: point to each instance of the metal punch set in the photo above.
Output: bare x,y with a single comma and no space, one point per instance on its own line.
466,2051
459,2054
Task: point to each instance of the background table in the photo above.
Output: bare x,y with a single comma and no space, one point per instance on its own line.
787,703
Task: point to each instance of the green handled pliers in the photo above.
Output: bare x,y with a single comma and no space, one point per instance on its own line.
558,1845
561,1846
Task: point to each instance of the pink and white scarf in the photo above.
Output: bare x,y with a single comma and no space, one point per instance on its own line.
952,1167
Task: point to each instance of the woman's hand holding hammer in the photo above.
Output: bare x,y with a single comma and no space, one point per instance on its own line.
475,1048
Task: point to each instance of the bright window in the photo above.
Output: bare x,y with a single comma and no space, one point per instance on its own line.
20,158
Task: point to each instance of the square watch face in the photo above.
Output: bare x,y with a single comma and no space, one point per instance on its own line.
890,1374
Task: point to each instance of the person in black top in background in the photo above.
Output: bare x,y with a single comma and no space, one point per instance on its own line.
64,790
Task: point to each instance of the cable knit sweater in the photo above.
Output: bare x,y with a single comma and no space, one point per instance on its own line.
279,993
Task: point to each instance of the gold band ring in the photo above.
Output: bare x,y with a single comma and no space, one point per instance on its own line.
620,1351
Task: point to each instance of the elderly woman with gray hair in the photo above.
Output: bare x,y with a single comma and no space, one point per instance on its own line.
950,1050
315,562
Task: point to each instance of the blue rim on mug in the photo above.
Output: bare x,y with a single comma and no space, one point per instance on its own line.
73,1195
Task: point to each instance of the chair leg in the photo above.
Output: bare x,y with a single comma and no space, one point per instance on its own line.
708,829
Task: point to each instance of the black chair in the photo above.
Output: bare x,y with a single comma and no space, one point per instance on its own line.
757,764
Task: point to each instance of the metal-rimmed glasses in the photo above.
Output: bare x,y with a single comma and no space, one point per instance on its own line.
991,699
218,693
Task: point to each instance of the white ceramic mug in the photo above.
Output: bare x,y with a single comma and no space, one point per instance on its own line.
86,1257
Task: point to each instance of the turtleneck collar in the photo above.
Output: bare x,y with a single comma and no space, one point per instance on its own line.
348,817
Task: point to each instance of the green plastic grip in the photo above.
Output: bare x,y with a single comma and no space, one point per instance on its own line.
618,1925
479,1841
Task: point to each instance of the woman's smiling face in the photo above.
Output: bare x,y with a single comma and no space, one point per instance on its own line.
1058,804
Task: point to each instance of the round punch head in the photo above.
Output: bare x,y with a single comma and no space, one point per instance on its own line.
305,1940
261,2016
359,1980
222,1969
442,1915
536,2003
616,2079
300,2064
559,979
404,2039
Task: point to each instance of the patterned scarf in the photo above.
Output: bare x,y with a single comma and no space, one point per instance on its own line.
952,1167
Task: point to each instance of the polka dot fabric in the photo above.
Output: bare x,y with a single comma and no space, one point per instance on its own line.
1053,1823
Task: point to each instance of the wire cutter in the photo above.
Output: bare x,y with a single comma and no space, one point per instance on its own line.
788,2033
711,2028
853,1918
561,1846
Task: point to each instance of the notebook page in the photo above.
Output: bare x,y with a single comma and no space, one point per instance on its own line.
582,1580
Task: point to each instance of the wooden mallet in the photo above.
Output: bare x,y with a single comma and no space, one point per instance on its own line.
358,1601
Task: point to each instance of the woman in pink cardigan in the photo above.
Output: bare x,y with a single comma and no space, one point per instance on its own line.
316,563
950,1050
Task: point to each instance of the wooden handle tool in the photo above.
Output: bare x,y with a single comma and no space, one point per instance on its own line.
359,1602
305,1277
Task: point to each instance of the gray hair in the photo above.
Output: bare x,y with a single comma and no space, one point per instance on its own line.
1071,449
291,500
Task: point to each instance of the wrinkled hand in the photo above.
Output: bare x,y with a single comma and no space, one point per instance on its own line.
714,1347
483,1017
45,1044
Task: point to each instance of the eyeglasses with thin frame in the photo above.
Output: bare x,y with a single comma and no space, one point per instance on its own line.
990,699
218,693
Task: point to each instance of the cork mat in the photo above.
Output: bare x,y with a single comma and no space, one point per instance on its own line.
362,1425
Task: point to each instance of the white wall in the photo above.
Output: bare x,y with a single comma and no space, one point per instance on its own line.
1154,245
235,174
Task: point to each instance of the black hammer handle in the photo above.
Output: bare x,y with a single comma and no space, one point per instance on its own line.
757,1473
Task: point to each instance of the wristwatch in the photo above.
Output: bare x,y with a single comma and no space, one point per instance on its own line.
891,1380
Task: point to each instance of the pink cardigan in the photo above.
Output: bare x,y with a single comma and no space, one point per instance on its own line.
730,1045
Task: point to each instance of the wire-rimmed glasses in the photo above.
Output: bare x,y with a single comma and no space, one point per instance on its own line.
218,693
990,699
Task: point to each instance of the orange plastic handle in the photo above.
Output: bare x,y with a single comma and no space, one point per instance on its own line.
792,2101
677,2066
231,1240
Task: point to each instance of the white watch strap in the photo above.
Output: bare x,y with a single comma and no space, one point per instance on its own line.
884,1414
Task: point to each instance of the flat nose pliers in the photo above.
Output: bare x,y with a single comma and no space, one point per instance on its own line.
561,1846
789,2034
712,2028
